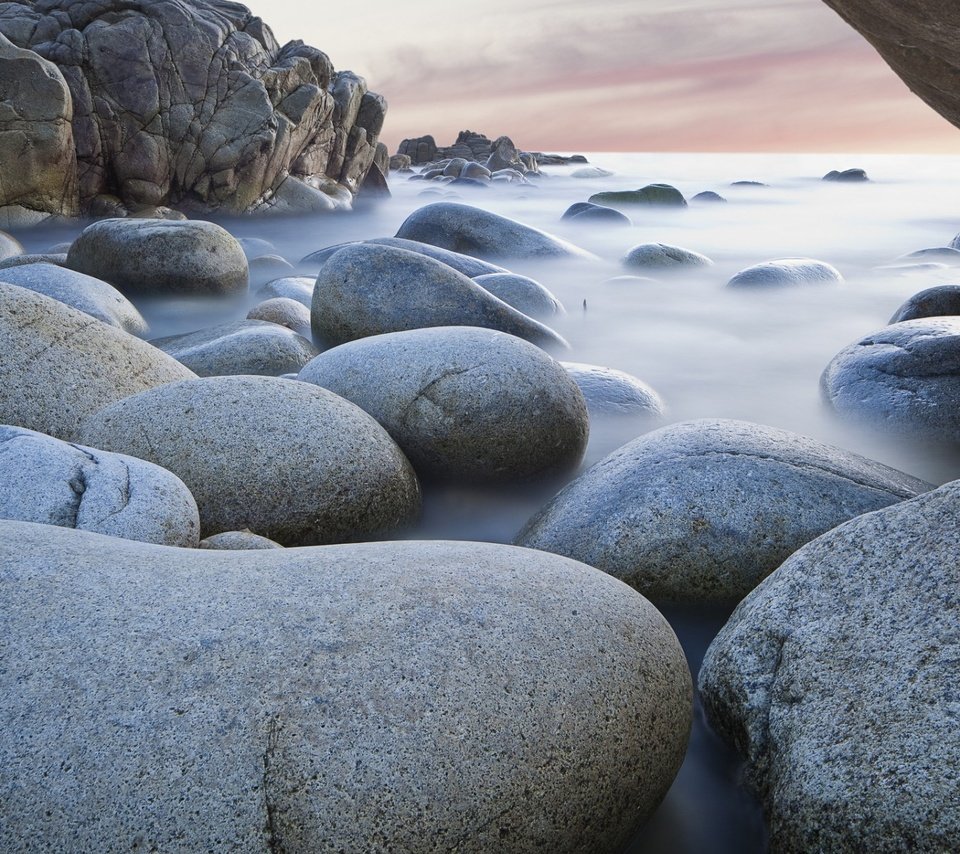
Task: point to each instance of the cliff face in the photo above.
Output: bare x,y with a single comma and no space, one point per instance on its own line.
920,41
188,103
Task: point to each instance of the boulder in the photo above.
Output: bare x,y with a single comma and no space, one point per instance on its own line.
708,197
284,459
904,379
591,172
847,176
945,254
469,266
285,312
161,103
787,272
84,293
662,195
663,256
940,301
703,511
58,258
410,696
523,293
155,258
368,289
297,288
255,247
504,155
600,215
52,482
400,162
463,403
611,392
10,247
59,365
265,268
257,347
472,231
238,541
836,680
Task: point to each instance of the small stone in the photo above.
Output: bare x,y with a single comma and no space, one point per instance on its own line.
238,541
663,256
612,392
787,272
847,176
283,311
524,294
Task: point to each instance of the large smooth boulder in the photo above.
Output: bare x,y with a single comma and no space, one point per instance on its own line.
847,176
152,103
463,403
473,231
904,378
940,301
238,540
52,482
704,510
286,312
256,347
663,256
410,696
836,680
299,288
284,459
660,195
58,364
367,289
523,293
608,391
785,273
85,293
156,258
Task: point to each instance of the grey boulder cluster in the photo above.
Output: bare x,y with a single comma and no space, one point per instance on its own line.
473,147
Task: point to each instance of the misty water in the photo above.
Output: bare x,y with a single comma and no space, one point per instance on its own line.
708,351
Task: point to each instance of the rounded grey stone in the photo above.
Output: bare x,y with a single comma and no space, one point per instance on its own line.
84,293
904,378
60,365
709,197
238,541
660,195
663,256
470,267
941,301
256,347
415,696
608,391
299,288
600,215
836,679
476,171
474,231
254,247
847,176
263,268
147,257
591,172
9,246
786,272
367,289
704,510
463,402
59,258
945,254
523,293
284,459
285,312
52,482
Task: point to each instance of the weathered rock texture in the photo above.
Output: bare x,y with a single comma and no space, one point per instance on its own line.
189,103
478,148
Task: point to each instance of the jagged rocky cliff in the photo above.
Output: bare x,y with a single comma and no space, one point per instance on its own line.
111,106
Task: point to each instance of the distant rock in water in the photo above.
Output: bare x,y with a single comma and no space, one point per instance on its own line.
786,272
663,256
848,176
749,184
500,153
652,194
944,254
708,196
940,301
166,103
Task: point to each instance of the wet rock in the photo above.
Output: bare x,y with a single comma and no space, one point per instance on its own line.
463,403
904,379
58,364
704,510
472,231
466,264
367,289
663,256
940,301
524,294
284,311
238,541
254,347
835,680
787,272
284,459
84,293
52,482
653,194
308,682
612,392
708,196
297,288
161,258
847,176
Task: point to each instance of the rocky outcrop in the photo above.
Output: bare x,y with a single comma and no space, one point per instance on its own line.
474,147
184,103
918,39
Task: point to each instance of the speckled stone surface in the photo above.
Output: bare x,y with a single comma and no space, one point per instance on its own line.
149,257
663,256
256,347
703,510
523,293
473,231
238,540
366,289
465,264
52,482
940,301
612,392
284,459
285,312
902,379
58,365
299,288
85,293
836,679
414,697
787,272
462,402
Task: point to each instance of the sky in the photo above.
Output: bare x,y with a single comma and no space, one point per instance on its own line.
622,75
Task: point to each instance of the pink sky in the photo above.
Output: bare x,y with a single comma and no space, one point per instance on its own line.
624,75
